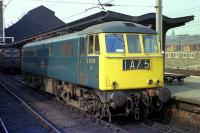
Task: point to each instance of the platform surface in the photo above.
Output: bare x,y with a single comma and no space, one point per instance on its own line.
187,92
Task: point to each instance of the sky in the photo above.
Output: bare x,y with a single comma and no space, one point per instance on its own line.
67,12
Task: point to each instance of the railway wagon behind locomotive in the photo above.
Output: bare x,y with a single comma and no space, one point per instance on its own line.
10,59
107,69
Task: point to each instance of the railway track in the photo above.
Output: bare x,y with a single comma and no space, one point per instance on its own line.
186,115
82,121
15,110
3,128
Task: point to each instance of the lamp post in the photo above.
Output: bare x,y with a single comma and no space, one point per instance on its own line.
2,20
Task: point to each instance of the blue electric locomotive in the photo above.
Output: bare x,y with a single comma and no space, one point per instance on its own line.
105,68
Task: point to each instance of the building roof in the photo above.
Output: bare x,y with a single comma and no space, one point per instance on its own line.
183,40
102,17
35,21
107,16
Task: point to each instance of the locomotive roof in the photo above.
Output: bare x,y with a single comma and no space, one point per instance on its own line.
118,27
108,27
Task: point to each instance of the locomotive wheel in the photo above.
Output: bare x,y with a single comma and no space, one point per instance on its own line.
156,104
129,106
106,112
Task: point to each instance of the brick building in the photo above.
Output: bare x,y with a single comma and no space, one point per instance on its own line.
183,51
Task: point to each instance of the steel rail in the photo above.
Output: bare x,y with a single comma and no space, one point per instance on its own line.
3,125
101,122
114,128
41,119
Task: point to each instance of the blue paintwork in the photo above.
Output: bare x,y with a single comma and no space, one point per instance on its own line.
57,66
90,70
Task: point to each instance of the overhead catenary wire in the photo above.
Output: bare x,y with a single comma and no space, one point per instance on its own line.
184,10
189,13
84,11
88,9
67,2
188,26
101,4
54,4
110,5
8,3
191,25
106,4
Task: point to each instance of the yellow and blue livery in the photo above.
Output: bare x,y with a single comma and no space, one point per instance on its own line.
102,69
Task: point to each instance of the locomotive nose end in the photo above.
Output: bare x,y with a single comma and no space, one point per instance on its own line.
164,95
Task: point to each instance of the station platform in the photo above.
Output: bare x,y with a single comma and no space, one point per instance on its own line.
189,91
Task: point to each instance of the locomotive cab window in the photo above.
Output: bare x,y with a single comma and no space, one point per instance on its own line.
150,44
133,43
96,45
93,44
114,43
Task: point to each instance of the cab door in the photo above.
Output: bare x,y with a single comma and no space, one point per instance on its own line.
89,61
82,61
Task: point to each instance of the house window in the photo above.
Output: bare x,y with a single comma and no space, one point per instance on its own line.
168,55
176,55
180,55
191,55
184,55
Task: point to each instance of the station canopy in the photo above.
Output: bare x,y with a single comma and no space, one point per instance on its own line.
101,17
